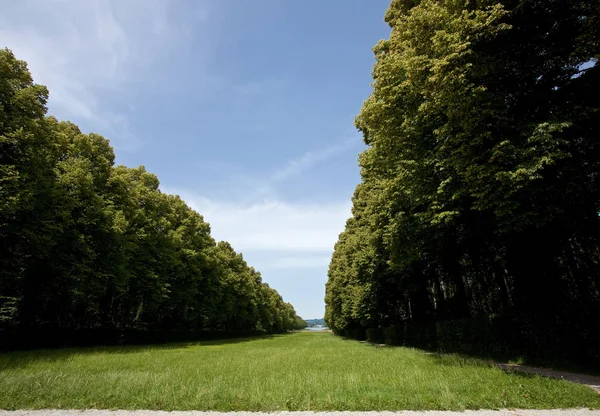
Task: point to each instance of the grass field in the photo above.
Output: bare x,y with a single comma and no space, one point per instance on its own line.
300,371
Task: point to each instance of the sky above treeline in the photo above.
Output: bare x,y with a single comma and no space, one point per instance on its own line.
244,108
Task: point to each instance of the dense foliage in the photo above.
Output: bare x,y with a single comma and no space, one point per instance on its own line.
480,191
85,244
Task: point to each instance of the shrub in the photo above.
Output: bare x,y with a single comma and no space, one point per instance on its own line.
376,335
357,334
420,335
394,335
564,339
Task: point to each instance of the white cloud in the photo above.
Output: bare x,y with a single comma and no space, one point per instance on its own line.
266,186
298,262
233,183
256,223
310,159
84,49
274,225
290,243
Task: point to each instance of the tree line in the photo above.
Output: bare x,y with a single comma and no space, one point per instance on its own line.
480,186
85,244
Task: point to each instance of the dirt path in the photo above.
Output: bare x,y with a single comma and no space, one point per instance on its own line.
590,381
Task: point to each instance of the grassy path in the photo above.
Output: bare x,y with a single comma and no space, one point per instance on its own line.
301,371
501,412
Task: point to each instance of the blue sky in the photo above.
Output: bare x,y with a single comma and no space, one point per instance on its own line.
244,108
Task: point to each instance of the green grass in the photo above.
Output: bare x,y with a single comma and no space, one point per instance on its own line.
300,371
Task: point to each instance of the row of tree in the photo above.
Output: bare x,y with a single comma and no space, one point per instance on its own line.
85,244
480,185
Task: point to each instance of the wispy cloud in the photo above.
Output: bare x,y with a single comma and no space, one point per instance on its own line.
234,183
310,159
263,222
274,226
306,261
84,50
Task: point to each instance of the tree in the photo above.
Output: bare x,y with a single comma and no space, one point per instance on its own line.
482,165
89,245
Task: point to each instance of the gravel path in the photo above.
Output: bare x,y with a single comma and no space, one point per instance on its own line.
503,412
590,381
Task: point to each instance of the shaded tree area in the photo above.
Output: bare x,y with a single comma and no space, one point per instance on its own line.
480,184
85,244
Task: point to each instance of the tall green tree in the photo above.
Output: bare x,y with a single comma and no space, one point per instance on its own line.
85,244
483,163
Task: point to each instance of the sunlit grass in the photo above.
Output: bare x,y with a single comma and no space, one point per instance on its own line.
300,371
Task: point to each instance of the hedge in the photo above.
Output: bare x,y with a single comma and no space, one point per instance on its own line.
376,335
565,339
394,335
357,334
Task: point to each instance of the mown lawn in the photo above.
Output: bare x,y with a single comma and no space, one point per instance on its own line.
300,371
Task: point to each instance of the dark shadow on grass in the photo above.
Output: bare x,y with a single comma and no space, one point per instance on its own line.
493,358
23,358
458,359
453,360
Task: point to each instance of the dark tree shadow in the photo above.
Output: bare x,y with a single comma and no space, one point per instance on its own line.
23,358
526,367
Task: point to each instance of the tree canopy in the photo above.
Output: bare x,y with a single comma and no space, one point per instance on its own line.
480,191
85,244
